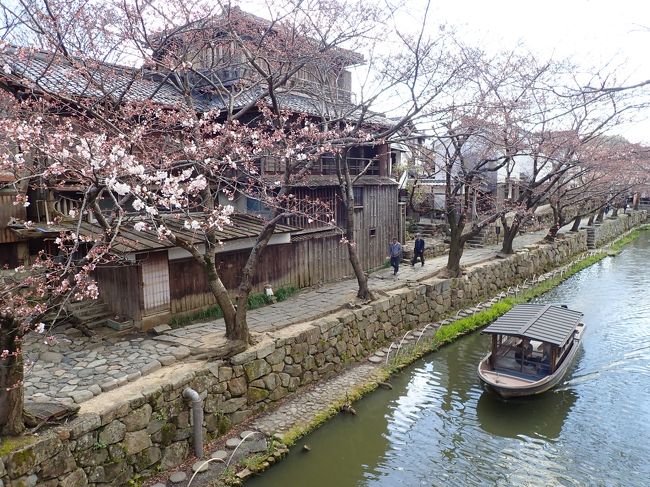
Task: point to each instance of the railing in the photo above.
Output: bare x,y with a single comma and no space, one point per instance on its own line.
326,165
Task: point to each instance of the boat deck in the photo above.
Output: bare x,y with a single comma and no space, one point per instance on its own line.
505,380
508,364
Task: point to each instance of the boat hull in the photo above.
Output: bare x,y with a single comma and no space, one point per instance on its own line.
510,387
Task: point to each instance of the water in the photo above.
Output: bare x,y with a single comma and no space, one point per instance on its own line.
437,427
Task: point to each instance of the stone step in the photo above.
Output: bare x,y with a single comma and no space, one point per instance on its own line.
92,315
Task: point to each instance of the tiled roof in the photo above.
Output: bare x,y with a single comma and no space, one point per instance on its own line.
40,72
44,74
300,103
130,240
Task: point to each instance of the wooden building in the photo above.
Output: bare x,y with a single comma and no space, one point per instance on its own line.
151,280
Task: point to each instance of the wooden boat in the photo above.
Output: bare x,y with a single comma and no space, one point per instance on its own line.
533,347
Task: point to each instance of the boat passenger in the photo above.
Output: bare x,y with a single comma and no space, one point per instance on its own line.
527,348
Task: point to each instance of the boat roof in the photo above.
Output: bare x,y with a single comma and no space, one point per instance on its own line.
544,322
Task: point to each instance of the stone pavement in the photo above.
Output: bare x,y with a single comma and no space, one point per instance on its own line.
73,368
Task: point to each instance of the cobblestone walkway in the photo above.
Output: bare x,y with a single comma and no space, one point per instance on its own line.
74,368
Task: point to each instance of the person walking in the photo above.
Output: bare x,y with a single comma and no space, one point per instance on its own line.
418,250
395,254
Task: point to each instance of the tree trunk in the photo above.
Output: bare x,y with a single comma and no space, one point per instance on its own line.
552,233
559,219
509,234
221,294
347,199
576,223
362,278
456,248
11,379
240,330
601,215
615,212
453,260
590,222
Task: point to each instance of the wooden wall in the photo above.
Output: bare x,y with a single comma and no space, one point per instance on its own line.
8,210
309,260
380,211
120,289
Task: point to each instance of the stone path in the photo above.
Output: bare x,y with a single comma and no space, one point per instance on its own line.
74,368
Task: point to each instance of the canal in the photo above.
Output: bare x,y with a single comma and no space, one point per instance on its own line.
437,427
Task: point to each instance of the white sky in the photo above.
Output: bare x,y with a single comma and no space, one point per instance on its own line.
591,32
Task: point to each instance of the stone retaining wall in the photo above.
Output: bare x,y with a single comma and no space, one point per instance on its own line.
145,426
611,227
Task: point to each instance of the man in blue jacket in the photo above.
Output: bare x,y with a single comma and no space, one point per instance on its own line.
395,254
418,250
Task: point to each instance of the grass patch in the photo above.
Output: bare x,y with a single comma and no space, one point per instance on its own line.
255,300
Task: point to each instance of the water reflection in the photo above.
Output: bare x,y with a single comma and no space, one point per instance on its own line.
539,416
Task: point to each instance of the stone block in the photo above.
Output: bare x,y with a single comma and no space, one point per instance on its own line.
58,465
154,426
96,474
278,393
83,424
174,455
256,369
239,417
183,419
237,386
92,457
114,411
113,432
255,395
116,452
244,357
264,350
146,458
24,460
118,473
136,441
138,419
276,356
75,479
232,405
86,441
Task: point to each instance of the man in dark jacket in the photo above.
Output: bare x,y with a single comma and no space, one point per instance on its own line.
395,254
418,250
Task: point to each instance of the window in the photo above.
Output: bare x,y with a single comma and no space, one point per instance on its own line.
256,207
358,197
373,232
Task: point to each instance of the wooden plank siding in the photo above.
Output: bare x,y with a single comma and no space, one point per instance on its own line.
307,261
155,281
300,264
380,212
7,211
119,287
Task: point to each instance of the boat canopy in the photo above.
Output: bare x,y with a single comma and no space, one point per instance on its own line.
544,322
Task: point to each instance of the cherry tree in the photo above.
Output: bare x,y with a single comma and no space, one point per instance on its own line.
164,144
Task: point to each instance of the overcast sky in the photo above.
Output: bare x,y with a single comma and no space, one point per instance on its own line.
592,32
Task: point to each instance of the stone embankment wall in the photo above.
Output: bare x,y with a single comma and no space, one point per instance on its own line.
145,426
612,227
